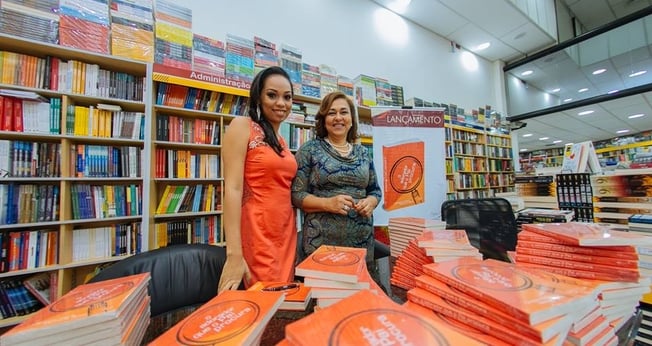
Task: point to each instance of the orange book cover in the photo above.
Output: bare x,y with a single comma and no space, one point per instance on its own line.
444,239
561,259
455,325
418,222
588,234
482,323
502,285
231,318
580,274
369,319
297,295
83,306
334,263
541,331
532,241
403,167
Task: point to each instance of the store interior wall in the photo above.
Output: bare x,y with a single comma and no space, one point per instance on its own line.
343,34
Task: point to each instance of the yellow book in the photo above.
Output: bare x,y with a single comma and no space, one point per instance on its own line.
163,203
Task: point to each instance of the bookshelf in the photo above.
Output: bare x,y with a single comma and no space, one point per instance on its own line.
620,194
72,182
478,161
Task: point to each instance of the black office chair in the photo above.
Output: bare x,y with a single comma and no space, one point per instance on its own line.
489,223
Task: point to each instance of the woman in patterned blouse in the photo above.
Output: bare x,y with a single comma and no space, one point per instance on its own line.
336,184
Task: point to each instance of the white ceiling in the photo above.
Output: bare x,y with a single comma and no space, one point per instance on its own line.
514,36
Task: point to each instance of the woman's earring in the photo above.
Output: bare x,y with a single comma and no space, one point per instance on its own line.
258,113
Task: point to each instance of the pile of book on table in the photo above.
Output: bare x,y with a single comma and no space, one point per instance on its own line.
297,296
230,318
111,312
404,228
336,272
607,260
428,245
366,318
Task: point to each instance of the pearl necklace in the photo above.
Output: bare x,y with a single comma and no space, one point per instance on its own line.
344,149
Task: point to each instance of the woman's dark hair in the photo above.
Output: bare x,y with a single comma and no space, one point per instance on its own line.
253,105
320,117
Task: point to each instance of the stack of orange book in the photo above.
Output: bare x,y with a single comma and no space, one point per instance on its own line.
502,301
231,318
369,319
111,312
405,228
335,272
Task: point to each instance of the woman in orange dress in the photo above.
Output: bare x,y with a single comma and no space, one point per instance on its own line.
259,222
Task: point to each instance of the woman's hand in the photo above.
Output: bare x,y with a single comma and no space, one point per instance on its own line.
365,207
340,204
235,268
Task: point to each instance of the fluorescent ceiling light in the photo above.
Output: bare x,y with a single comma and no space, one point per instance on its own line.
637,73
523,149
527,73
555,90
571,143
583,90
568,100
613,91
622,131
599,71
527,135
483,46
634,116
557,141
585,112
544,138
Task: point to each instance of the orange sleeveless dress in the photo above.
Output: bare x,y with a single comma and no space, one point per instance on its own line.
268,226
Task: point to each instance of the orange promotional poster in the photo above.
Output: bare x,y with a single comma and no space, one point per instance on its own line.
231,318
369,319
410,157
331,262
101,303
530,298
403,165
297,295
587,234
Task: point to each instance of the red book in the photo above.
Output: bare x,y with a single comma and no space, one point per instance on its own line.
534,241
296,295
18,115
231,318
527,297
334,263
444,239
587,234
369,319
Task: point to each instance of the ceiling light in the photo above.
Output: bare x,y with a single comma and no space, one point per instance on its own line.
622,131
613,91
399,6
523,149
568,100
527,135
483,46
634,116
599,71
555,90
557,141
571,143
583,90
527,73
585,112
544,138
637,73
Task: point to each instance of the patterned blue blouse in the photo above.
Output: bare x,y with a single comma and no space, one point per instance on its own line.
323,172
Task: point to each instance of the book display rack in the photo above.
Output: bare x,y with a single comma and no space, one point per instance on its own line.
574,193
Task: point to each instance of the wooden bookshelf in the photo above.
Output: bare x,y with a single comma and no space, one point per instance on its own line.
72,183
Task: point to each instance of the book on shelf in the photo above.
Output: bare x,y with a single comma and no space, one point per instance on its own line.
587,234
530,298
554,214
297,294
93,311
232,317
39,286
332,262
368,318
